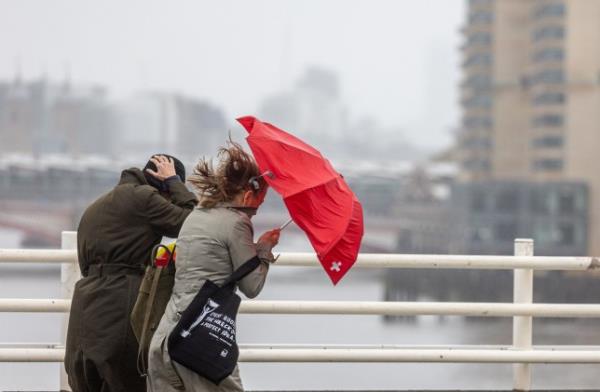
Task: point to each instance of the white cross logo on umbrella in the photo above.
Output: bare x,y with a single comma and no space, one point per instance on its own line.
336,266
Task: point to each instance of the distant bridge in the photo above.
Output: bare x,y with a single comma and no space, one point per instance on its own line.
40,200
41,222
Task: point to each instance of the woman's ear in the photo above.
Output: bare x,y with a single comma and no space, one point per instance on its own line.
248,199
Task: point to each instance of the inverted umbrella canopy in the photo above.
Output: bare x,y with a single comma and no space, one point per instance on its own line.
316,196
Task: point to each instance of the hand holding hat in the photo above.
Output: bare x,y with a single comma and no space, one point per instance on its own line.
165,167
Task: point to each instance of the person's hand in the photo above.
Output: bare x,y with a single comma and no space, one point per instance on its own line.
165,167
270,238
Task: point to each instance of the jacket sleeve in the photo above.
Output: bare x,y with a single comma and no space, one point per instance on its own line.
242,249
166,217
180,195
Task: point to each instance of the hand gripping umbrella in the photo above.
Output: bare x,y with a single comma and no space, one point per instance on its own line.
316,196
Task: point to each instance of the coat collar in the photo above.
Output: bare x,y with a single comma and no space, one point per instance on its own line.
246,210
133,176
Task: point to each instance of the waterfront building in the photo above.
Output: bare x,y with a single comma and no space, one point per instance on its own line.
530,96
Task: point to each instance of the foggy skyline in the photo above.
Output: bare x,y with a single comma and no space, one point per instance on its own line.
397,60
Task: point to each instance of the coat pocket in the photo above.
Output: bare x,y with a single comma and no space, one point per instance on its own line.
170,372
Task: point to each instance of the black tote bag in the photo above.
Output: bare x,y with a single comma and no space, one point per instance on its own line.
204,338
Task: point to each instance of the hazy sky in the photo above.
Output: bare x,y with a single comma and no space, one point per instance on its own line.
397,59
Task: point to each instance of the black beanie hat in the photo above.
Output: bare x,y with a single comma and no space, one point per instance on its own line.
155,182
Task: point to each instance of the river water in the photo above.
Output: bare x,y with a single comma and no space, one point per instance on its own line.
36,281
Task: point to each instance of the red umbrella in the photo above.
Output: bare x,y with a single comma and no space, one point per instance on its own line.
317,197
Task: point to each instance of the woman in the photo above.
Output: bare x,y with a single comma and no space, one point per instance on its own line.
216,239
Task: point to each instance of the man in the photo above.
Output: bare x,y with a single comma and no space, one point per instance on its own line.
114,240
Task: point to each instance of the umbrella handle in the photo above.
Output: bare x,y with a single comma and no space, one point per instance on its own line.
285,224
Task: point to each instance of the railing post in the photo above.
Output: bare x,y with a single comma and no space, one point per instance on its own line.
522,325
69,275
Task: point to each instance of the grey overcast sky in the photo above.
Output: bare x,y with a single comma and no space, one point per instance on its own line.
397,60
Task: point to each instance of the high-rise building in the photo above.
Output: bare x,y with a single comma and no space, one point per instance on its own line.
494,111
531,95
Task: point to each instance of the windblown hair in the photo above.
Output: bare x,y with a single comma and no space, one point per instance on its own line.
235,169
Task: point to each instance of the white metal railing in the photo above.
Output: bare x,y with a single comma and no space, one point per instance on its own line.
521,353
373,261
469,309
327,354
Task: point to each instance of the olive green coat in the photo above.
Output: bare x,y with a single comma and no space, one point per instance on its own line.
114,240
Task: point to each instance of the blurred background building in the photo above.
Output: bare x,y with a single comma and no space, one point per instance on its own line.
39,117
530,99
151,122
315,110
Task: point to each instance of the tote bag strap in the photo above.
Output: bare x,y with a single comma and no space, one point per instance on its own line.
142,360
243,271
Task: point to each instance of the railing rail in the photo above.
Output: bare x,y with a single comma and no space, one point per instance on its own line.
521,353
358,308
380,355
372,260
